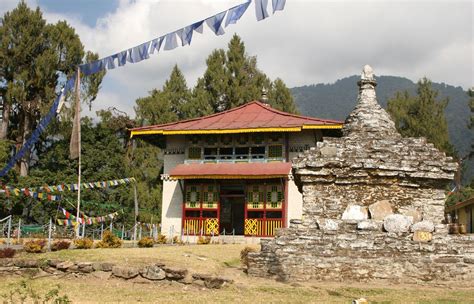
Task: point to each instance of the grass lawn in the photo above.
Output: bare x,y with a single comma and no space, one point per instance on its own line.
220,260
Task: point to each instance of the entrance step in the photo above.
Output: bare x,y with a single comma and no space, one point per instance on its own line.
226,239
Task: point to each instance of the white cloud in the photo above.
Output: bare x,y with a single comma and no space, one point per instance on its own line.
309,42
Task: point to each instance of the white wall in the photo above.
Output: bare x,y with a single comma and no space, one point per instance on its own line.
297,141
172,200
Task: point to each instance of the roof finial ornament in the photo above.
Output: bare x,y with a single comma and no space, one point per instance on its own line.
367,73
264,98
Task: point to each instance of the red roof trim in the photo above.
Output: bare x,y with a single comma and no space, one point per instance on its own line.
231,170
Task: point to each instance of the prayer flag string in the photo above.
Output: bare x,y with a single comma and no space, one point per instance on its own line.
142,52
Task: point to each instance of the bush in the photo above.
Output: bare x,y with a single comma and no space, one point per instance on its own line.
161,239
177,241
204,240
84,243
35,246
7,253
60,245
146,242
244,255
109,240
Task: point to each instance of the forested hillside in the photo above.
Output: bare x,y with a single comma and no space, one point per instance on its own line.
336,100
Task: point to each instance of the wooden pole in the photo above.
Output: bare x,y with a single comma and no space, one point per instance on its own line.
19,230
50,230
9,230
135,199
78,111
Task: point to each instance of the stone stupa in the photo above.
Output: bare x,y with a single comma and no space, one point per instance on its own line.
373,207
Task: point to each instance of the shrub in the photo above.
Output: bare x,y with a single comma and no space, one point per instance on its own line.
60,245
146,242
204,240
109,240
2,241
84,243
35,246
244,255
177,241
161,239
7,253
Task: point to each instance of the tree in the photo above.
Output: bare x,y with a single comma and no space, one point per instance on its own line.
35,58
470,92
233,79
280,97
422,115
214,81
176,92
154,109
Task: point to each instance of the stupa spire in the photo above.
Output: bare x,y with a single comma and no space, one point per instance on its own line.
369,118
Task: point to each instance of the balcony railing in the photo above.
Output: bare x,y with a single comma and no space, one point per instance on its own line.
199,226
262,227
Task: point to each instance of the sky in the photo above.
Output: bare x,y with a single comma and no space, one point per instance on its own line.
308,42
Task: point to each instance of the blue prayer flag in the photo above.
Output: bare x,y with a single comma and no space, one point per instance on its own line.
156,45
215,23
278,5
122,58
261,9
171,42
198,26
235,13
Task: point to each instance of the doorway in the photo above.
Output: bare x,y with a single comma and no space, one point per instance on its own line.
232,209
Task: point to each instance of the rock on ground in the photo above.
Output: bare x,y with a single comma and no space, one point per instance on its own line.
124,272
153,272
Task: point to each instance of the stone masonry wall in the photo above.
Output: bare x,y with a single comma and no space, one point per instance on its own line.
328,200
299,253
373,208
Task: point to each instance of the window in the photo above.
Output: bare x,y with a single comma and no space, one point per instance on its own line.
194,139
211,140
257,152
193,196
242,153
258,138
275,151
194,153
226,153
242,139
210,153
226,139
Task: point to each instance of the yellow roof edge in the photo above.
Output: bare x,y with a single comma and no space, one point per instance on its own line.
233,131
310,127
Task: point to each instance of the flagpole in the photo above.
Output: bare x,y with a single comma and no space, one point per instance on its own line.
78,118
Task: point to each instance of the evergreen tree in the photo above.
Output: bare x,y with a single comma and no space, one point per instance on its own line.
280,97
422,115
214,81
34,58
199,104
176,92
154,109
470,92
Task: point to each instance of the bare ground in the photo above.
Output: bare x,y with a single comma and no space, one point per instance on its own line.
221,260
